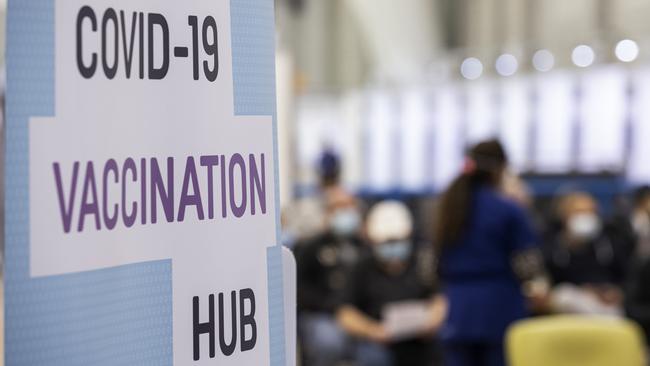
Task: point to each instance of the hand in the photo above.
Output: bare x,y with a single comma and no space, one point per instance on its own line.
438,313
377,333
611,295
430,330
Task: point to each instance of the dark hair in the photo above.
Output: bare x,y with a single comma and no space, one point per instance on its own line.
329,168
484,166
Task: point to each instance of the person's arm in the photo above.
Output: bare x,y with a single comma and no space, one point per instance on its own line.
350,314
528,262
358,324
437,314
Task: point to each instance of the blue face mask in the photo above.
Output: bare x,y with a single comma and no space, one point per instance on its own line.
288,239
394,251
345,222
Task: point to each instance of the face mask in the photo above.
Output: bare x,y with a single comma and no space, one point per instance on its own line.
288,238
345,222
394,251
641,224
584,226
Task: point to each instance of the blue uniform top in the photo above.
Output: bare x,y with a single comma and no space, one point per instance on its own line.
483,291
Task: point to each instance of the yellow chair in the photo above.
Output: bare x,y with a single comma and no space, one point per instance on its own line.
575,341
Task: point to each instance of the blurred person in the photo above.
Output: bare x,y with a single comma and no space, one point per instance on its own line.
305,218
323,264
634,227
585,265
487,250
640,220
329,169
637,299
637,290
390,304
516,189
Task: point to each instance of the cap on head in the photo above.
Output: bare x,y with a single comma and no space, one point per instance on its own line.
389,220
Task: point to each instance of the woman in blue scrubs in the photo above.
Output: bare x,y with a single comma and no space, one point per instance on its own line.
479,233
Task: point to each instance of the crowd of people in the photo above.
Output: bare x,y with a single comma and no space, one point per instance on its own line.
373,291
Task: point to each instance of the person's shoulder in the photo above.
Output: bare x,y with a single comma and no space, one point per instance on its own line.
500,202
313,243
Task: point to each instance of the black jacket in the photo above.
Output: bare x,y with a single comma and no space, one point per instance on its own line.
637,299
323,269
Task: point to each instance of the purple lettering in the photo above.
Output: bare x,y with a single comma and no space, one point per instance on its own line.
193,199
128,218
89,207
243,184
209,162
66,212
143,191
224,204
257,185
237,210
109,221
158,189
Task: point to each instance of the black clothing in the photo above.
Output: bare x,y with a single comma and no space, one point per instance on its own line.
597,262
625,239
637,297
371,288
323,264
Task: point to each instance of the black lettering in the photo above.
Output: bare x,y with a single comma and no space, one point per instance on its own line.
161,72
211,47
86,71
203,328
247,319
141,45
110,71
128,53
228,349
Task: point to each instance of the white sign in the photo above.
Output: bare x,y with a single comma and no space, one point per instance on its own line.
145,160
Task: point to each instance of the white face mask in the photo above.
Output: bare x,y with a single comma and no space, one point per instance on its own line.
641,224
584,226
345,222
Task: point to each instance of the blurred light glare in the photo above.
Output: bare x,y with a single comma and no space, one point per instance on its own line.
506,65
627,50
583,56
471,68
543,60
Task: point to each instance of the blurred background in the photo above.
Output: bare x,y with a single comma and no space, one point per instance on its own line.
379,102
398,90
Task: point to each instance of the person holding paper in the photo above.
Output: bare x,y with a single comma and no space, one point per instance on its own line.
586,262
486,246
390,304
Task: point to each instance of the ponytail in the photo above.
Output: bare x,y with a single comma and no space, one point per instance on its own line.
453,210
484,165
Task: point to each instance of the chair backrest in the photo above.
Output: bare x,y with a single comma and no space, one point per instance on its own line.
575,341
